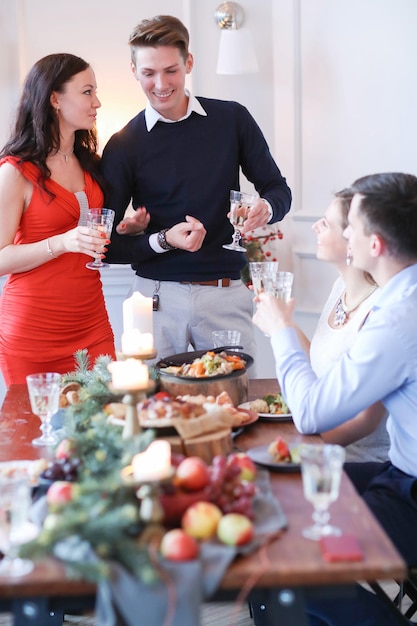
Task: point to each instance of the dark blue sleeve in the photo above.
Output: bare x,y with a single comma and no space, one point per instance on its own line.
260,168
117,171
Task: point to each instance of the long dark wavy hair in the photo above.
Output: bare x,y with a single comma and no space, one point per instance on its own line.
36,129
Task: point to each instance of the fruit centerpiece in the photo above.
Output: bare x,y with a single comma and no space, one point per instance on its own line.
93,516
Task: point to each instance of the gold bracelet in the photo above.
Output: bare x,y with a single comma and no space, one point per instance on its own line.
49,249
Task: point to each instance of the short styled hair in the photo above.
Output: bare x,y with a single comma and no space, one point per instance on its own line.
389,208
161,30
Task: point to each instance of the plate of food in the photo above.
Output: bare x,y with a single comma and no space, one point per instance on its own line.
31,469
276,456
271,407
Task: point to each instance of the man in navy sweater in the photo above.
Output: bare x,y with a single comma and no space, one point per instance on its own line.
177,161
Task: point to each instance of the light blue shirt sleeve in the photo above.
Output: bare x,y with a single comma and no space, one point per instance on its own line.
381,365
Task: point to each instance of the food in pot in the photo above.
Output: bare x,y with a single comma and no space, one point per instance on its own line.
209,364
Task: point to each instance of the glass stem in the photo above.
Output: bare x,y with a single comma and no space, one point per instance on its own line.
236,237
321,517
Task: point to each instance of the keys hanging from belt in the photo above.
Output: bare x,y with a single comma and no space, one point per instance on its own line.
155,297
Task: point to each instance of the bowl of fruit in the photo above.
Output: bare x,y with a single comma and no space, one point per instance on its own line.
227,482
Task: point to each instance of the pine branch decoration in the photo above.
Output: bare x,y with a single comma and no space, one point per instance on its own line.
100,522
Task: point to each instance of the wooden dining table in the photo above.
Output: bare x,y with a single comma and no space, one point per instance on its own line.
277,578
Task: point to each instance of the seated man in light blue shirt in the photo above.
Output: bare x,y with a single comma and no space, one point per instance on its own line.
382,365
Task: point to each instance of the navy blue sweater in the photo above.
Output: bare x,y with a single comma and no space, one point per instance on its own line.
188,168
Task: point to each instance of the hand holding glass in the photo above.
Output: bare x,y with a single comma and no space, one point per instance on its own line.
321,468
240,206
14,527
44,399
101,220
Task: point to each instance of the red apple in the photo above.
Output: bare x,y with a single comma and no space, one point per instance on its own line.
64,449
235,529
192,474
200,520
177,545
60,492
247,466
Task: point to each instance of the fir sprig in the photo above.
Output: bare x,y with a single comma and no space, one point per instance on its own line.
100,522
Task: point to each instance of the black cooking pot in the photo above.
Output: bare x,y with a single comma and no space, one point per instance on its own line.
235,383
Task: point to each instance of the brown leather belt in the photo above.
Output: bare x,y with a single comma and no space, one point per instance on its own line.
220,282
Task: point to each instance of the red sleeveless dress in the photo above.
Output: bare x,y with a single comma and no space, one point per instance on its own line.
48,313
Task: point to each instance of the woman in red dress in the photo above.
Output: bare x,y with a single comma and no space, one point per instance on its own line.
51,304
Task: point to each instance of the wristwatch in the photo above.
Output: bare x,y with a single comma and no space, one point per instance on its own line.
162,240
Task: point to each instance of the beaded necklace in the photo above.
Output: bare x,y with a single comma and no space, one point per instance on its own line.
342,311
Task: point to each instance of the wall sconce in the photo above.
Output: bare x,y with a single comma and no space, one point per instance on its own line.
236,50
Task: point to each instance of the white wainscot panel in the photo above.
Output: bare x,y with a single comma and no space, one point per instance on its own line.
117,281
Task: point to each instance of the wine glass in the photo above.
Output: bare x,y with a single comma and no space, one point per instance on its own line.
321,468
14,526
240,206
44,399
102,220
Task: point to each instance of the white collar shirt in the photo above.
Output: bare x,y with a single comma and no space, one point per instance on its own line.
381,365
152,116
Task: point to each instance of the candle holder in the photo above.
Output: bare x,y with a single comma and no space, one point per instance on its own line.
130,398
145,356
151,511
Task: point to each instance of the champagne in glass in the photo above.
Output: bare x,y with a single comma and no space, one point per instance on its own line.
44,399
262,274
240,206
101,220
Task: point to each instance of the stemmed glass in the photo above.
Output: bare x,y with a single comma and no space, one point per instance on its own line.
44,399
240,206
102,220
14,527
321,467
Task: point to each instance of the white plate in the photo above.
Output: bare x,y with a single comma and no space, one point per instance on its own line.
273,417
261,456
29,468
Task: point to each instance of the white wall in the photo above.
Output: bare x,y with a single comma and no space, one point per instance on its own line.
335,95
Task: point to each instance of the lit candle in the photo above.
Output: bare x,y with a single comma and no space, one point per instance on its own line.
154,463
129,374
135,342
137,313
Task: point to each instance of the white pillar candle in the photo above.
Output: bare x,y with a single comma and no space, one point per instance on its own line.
137,313
129,374
136,343
154,463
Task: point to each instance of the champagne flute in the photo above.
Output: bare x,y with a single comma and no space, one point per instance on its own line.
240,206
14,526
101,220
321,468
44,399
